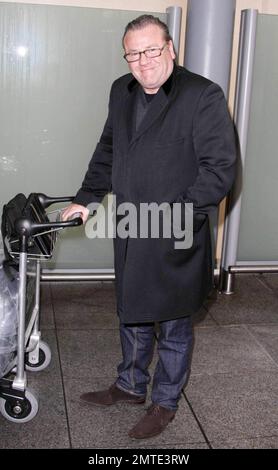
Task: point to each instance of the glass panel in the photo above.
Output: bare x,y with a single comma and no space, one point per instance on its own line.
57,64
258,237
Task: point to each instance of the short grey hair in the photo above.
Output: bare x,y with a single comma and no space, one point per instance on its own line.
145,20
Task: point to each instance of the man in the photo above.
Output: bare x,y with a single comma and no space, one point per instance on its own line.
168,138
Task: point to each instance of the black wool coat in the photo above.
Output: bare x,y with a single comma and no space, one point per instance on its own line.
183,151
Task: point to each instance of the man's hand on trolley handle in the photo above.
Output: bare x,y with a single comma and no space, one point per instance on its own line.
75,210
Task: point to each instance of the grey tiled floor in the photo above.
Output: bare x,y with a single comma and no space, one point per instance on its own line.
230,400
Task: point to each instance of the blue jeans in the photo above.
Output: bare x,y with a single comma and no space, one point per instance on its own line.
175,342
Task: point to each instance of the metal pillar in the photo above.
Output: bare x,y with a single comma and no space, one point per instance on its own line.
209,39
242,110
208,50
174,25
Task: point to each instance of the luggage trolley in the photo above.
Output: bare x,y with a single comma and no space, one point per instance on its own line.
29,236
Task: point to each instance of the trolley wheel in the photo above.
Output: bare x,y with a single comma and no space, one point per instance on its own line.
20,411
44,358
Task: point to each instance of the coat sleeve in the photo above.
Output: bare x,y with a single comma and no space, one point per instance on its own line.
215,150
97,181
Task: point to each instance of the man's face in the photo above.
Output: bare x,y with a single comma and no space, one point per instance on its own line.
151,73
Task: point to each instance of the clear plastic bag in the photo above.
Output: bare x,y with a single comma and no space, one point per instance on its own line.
8,317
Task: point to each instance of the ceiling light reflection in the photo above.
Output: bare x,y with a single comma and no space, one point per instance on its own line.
21,51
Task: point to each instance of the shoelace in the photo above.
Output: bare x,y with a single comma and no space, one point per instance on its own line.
154,410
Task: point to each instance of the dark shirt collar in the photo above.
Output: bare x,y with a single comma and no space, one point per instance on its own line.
167,86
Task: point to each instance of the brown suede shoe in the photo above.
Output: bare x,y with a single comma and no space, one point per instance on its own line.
111,396
153,423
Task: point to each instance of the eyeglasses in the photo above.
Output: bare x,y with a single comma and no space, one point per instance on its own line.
149,53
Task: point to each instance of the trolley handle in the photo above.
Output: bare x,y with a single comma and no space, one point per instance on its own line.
24,226
46,201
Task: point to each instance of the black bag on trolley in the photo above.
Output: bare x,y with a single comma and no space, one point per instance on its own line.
11,211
